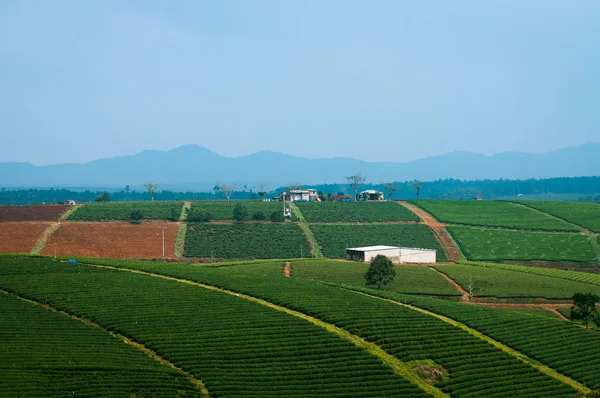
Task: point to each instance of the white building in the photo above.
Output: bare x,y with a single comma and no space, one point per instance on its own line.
370,195
398,255
300,195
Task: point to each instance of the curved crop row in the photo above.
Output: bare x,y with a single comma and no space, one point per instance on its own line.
585,214
237,347
476,368
584,277
355,212
566,348
70,357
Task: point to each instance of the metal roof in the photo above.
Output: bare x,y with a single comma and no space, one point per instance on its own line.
372,248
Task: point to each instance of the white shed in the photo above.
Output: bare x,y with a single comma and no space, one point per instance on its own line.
398,255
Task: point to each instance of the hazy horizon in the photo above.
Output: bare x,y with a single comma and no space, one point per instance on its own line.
378,81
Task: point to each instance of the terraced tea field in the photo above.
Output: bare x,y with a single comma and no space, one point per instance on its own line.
243,241
224,210
479,244
121,211
581,213
355,212
334,239
498,282
491,214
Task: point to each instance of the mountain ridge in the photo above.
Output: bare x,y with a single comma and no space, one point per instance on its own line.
193,164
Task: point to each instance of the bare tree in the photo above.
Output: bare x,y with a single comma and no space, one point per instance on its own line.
260,186
416,185
390,188
227,189
151,188
354,181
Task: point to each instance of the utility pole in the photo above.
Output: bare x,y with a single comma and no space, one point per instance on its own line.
163,240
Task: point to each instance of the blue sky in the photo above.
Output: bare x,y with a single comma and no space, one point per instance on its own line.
375,80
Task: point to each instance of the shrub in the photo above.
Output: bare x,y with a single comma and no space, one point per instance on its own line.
196,215
277,216
259,216
240,212
136,216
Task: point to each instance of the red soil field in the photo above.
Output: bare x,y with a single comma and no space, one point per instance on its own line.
112,240
20,237
32,213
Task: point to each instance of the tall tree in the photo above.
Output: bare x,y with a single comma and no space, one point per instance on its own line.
227,190
381,271
584,307
151,188
390,188
417,185
103,197
260,186
354,181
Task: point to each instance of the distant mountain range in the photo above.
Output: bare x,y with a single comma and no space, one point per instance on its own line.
191,167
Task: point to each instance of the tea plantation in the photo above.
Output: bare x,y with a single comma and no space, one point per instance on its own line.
122,211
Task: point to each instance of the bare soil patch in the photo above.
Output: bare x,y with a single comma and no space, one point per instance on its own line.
113,240
20,237
287,269
32,213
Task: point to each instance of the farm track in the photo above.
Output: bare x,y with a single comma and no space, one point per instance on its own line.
520,356
43,239
180,240
464,295
198,383
400,368
446,242
67,213
315,249
184,210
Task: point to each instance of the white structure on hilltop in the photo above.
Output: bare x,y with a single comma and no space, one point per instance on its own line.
370,195
398,255
300,195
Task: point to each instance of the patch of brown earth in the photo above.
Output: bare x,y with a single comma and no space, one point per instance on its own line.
113,240
287,269
464,295
32,213
20,237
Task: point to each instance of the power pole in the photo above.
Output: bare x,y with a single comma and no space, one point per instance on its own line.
163,240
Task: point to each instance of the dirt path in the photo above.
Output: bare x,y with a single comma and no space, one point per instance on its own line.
41,243
464,295
287,269
197,382
439,230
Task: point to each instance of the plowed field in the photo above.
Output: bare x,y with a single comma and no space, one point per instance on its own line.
32,213
20,237
113,240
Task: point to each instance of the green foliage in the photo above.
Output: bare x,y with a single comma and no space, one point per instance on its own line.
584,277
197,215
277,216
237,347
222,210
334,239
103,197
491,214
259,216
136,216
49,354
498,282
584,308
355,212
381,272
481,244
242,241
581,213
240,212
122,211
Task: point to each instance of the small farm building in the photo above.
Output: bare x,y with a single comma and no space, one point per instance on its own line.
299,195
370,195
398,255
71,202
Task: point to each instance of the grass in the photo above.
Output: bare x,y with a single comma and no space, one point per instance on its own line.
491,214
479,244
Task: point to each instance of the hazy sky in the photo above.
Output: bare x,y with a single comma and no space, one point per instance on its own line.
375,80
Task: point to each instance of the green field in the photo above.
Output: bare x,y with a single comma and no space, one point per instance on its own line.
245,241
121,211
491,214
334,239
237,347
581,213
47,354
497,282
409,279
477,368
220,210
355,212
495,244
